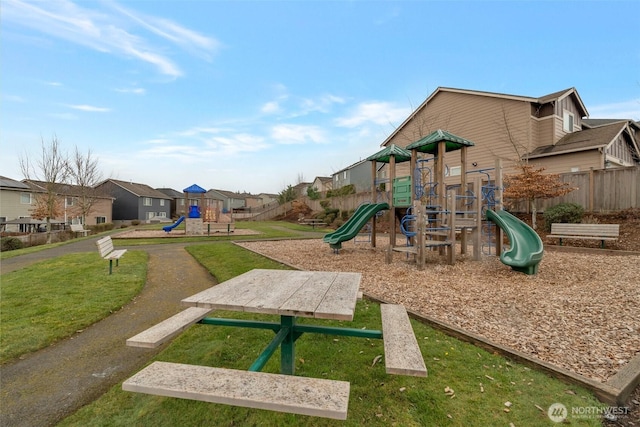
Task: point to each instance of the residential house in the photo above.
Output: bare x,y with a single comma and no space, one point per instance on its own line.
18,200
551,131
177,202
229,199
134,201
268,198
357,174
322,184
301,188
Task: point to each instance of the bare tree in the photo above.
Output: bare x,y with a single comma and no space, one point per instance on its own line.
84,173
52,169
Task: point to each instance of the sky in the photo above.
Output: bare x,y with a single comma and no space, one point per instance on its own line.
253,96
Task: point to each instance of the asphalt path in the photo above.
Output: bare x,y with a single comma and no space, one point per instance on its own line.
44,387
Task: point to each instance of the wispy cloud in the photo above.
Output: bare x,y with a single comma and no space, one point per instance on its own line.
619,110
380,113
134,90
117,31
297,134
89,108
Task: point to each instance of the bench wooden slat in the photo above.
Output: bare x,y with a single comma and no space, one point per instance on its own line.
401,351
78,228
169,328
589,230
260,390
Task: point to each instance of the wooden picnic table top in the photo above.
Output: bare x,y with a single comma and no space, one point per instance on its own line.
317,294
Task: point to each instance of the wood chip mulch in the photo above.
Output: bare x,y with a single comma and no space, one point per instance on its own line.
580,312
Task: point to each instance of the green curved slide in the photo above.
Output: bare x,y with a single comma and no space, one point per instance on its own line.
350,229
526,249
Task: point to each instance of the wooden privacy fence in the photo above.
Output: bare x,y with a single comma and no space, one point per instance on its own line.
604,190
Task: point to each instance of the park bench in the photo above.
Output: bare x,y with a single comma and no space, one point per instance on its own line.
401,351
313,222
105,247
78,228
169,328
600,232
260,390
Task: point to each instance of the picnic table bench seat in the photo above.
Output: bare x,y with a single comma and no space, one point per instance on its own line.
107,251
78,228
259,390
600,232
169,328
401,351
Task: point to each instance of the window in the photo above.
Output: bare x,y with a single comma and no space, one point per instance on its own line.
455,171
161,202
101,220
25,198
70,201
147,201
575,169
567,121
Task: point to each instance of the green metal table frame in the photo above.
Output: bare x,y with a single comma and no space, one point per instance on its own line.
287,332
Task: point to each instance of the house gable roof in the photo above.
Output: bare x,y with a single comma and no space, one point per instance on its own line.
587,139
140,190
555,96
12,184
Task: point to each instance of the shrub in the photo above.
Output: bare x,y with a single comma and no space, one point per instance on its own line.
135,222
11,244
564,212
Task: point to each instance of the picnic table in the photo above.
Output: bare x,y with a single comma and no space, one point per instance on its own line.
288,294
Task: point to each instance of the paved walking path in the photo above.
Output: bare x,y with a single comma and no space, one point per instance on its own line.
44,387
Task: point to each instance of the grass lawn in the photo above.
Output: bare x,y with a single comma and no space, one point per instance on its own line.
53,299
489,390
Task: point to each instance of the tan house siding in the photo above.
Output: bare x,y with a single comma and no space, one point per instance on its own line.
500,128
573,162
619,152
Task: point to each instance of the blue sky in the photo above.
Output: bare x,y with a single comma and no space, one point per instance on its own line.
254,95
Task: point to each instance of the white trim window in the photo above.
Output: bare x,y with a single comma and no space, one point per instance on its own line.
568,120
26,198
147,201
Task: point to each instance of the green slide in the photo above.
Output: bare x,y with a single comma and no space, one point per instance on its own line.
525,252
350,229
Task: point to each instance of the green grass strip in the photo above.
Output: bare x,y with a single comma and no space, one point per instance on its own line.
482,382
53,299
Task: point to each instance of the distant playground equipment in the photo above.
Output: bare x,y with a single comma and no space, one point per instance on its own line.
201,215
437,214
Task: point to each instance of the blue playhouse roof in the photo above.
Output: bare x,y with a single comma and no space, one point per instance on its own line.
194,189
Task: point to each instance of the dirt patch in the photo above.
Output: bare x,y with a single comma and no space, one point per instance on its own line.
177,234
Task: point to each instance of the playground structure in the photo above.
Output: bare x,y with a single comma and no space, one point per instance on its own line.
204,214
434,215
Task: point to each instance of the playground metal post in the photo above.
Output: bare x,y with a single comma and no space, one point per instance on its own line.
374,169
499,205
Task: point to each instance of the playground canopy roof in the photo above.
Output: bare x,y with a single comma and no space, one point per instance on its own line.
429,144
385,154
195,189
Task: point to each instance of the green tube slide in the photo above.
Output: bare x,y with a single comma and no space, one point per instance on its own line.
526,249
350,229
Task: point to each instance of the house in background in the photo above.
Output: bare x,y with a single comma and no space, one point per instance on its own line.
133,201
75,199
16,202
358,175
18,199
322,184
550,131
177,202
228,199
268,198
